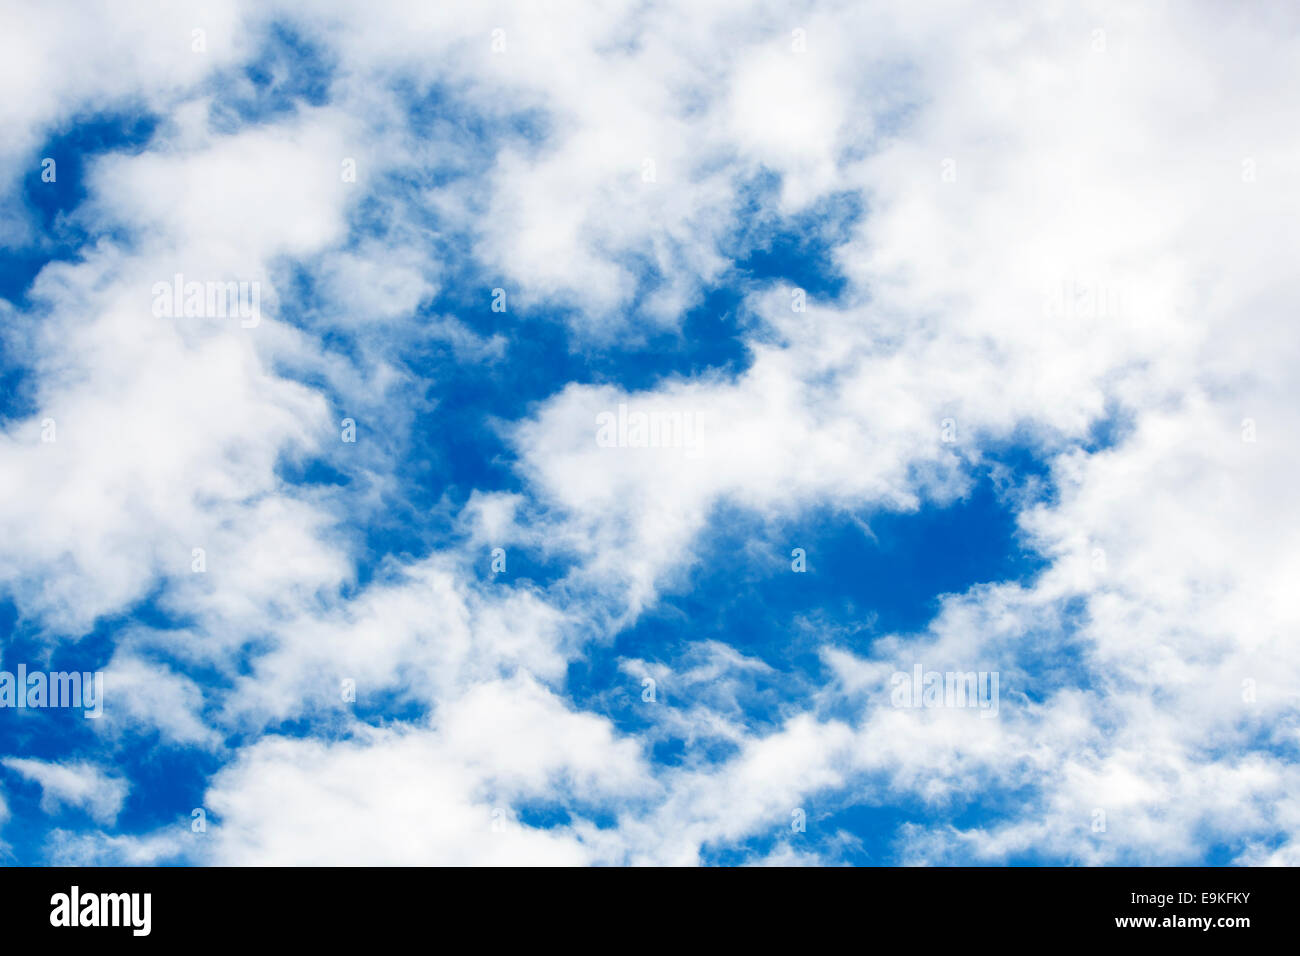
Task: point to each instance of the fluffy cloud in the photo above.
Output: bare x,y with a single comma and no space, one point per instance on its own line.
1068,241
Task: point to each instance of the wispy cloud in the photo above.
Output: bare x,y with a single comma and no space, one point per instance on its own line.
368,567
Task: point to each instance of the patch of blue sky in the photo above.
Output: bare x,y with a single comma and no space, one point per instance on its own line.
49,205
868,575
337,720
438,114
795,250
867,823
167,780
1279,740
862,833
45,213
1109,430
1050,658
286,71
1220,853
166,783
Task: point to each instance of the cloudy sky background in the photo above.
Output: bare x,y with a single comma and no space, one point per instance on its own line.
1067,230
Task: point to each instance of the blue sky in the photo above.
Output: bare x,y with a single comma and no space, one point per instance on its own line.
829,245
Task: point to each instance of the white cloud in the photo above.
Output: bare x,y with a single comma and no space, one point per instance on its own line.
1054,230
80,785
451,796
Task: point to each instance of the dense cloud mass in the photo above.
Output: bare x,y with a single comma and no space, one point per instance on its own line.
512,520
